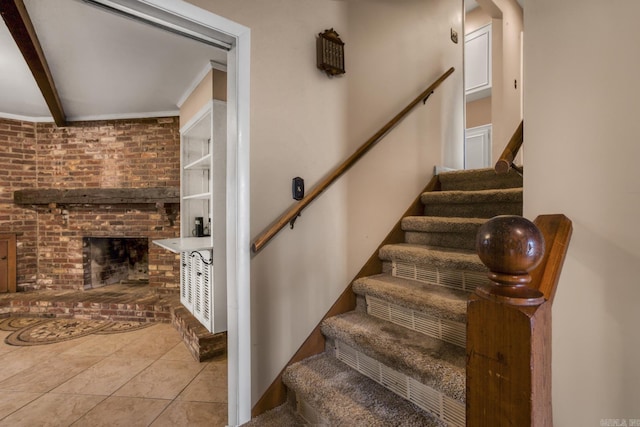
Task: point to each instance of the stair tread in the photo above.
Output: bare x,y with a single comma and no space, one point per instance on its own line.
282,416
437,224
345,397
438,301
444,258
475,196
476,179
433,362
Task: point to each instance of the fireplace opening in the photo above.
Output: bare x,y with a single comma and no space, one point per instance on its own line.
110,260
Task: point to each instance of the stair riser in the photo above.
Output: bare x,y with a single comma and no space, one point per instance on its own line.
429,325
473,210
448,410
444,240
481,181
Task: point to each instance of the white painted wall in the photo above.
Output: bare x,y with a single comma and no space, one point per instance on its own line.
304,124
582,151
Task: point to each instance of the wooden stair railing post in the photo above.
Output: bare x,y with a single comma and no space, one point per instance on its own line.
509,331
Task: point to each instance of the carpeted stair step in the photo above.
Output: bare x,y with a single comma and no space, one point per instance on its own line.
442,231
437,301
429,361
478,179
331,393
435,311
453,268
282,416
473,204
442,258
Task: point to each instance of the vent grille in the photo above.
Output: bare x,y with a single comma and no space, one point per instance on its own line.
455,279
445,408
445,330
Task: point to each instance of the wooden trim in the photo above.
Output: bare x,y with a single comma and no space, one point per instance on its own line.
275,395
11,260
16,17
105,196
295,210
557,230
505,162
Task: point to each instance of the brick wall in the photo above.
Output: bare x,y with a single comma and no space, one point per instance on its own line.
134,153
18,171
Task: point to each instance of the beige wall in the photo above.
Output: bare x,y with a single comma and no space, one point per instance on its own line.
582,152
475,19
212,86
304,123
478,112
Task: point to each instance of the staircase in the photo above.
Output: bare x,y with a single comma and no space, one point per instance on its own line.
399,357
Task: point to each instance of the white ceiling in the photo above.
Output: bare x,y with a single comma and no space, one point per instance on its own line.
104,66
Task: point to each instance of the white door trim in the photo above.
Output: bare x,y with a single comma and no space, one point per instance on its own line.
183,15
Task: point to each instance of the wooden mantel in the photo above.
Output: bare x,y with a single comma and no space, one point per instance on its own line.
101,196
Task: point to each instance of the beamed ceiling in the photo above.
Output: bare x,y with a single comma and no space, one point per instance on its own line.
66,60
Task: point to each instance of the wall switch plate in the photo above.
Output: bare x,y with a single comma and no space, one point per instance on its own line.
297,188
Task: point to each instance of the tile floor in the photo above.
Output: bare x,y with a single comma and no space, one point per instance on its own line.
140,378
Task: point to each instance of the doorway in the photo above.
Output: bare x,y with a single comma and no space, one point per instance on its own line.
189,19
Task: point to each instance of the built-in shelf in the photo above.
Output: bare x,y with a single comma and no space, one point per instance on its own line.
185,244
202,163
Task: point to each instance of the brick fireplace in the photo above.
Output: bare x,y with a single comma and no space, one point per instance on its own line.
132,153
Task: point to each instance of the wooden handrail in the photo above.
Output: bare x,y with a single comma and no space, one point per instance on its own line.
505,162
509,321
293,212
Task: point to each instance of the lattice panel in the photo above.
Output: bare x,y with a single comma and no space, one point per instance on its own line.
446,330
427,398
455,279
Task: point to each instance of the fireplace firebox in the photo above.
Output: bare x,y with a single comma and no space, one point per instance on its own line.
110,260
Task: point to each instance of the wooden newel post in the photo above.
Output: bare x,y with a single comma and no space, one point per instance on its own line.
509,331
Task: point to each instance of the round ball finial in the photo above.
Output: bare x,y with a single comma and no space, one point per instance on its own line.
510,246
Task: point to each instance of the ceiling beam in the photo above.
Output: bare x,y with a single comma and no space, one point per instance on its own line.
21,28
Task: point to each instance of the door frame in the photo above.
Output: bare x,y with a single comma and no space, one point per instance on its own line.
190,18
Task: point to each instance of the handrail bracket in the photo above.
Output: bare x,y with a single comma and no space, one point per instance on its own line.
293,220
424,101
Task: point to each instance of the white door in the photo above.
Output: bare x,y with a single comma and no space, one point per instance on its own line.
477,147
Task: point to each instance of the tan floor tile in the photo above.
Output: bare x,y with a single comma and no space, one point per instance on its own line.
164,379
4,347
55,348
123,411
206,387
15,362
10,402
52,410
104,377
178,352
49,374
101,345
193,414
153,344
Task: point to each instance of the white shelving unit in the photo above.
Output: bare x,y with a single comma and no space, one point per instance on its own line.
202,185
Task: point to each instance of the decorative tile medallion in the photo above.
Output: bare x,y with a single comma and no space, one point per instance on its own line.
35,331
